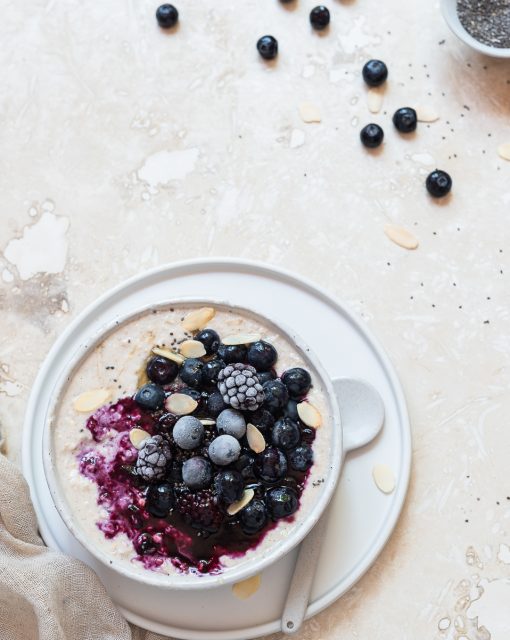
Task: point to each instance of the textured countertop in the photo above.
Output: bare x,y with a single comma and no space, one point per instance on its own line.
124,147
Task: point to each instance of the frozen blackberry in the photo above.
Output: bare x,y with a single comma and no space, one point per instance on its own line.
240,387
153,458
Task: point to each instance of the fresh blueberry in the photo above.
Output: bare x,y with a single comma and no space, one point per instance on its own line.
271,465
308,435
229,486
298,382
160,500
144,544
262,355
290,410
167,16
405,119
301,458
210,339
215,403
265,376
286,434
193,393
439,184
232,353
253,517
244,465
267,46
231,422
276,395
319,17
191,372
281,502
224,449
262,419
372,135
210,371
188,433
162,370
150,396
375,73
197,473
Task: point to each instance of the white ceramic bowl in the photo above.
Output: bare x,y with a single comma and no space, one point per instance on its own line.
254,564
449,9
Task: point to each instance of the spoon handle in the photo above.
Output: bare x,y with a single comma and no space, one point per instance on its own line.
298,596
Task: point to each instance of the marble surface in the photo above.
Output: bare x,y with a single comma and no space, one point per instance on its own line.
125,147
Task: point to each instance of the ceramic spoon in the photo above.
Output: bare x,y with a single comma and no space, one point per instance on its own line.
362,416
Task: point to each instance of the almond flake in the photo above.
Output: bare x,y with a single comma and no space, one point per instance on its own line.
192,349
240,504
426,113
245,589
309,112
401,236
180,404
384,478
198,318
255,438
137,436
504,151
374,100
309,415
207,422
90,400
169,355
241,338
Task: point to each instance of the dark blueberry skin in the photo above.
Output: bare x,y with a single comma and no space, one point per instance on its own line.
150,396
229,485
267,46
215,404
264,376
244,464
174,473
162,370
210,339
375,73
271,465
290,410
166,423
160,500
301,458
253,517
276,395
281,502
439,184
405,120
210,371
144,544
262,355
297,381
262,419
232,353
193,393
167,16
371,136
319,17
191,372
308,435
286,434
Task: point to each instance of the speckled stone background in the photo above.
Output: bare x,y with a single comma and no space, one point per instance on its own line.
124,147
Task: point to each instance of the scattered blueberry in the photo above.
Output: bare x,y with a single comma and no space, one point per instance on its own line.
210,371
162,370
439,183
229,486
224,449
245,465
301,458
297,381
253,517
232,353
267,46
262,419
319,17
290,410
286,434
282,502
197,473
215,403
144,544
210,339
188,433
262,355
265,376
276,395
271,465
167,16
375,73
191,372
372,135
405,119
231,422
160,500
150,396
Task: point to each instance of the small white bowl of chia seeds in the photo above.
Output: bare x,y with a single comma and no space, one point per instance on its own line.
484,25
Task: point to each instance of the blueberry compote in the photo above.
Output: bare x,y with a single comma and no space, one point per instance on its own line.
193,525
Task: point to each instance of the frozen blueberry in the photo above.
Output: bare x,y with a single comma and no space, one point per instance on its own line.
298,382
286,434
276,395
162,370
267,46
265,376
262,419
439,183
301,458
215,403
253,517
375,73
232,353
197,473
405,119
167,16
281,502
224,449
191,372
371,135
270,465
262,355
210,339
231,422
319,17
160,500
290,410
150,396
229,485
210,371
188,433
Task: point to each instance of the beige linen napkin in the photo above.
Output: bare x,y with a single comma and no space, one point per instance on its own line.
45,595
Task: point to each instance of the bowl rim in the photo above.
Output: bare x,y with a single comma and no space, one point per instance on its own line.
236,573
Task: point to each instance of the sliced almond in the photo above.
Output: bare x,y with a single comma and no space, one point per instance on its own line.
207,422
426,113
255,438
180,404
374,100
309,415
309,112
241,338
170,355
192,349
504,151
90,400
401,236
198,318
245,589
384,478
233,508
137,436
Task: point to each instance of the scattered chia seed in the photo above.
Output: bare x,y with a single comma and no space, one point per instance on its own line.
488,21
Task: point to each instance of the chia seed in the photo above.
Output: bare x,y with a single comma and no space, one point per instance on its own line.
488,21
